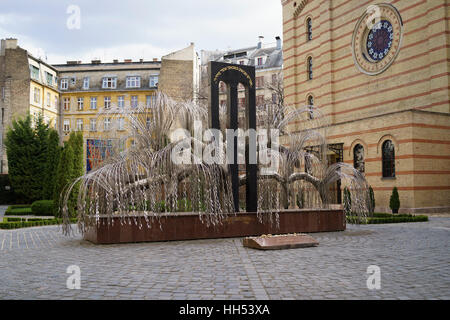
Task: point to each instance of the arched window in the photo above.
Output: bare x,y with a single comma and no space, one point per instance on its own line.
310,68
388,159
358,158
308,29
311,106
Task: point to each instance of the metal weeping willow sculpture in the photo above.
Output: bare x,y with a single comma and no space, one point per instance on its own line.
142,178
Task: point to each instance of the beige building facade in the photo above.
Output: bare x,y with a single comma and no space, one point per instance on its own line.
28,87
379,75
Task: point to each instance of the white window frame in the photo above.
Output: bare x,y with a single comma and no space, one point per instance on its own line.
66,102
86,83
107,102
133,82
121,101
49,98
37,95
80,104
107,124
134,101
93,124
121,123
66,125
93,103
151,81
64,84
109,83
79,124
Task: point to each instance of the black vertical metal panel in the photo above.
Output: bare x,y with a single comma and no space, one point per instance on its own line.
232,75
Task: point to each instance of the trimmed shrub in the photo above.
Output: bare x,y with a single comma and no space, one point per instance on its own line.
18,211
394,202
42,208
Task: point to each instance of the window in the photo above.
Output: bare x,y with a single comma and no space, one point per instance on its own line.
80,124
133,82
388,159
311,106
66,104
86,83
73,81
153,82
34,72
260,100
259,61
37,95
121,101
274,79
148,122
80,103
151,100
64,84
242,62
107,124
93,124
241,103
274,98
49,78
358,158
310,68
93,103
134,101
223,102
109,83
66,126
56,102
107,102
121,124
259,82
309,29
49,104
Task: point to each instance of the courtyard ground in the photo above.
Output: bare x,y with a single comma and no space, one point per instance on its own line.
413,259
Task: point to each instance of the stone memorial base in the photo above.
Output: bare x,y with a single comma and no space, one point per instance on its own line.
278,242
187,226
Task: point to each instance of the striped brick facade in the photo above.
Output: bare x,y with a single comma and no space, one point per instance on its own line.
407,104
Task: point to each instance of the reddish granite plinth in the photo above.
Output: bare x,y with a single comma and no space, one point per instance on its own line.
280,242
187,226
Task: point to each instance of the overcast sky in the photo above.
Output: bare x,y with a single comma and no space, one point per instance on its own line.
136,28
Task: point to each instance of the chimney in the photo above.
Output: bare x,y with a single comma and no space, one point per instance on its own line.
127,60
72,62
96,61
260,42
9,43
155,59
115,61
141,60
278,43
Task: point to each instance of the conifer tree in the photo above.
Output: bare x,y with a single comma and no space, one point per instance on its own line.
51,165
64,177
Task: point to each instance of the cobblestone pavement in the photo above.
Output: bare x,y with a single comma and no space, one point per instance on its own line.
414,260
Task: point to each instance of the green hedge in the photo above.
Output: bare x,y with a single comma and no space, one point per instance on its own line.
19,210
26,224
387,218
42,208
